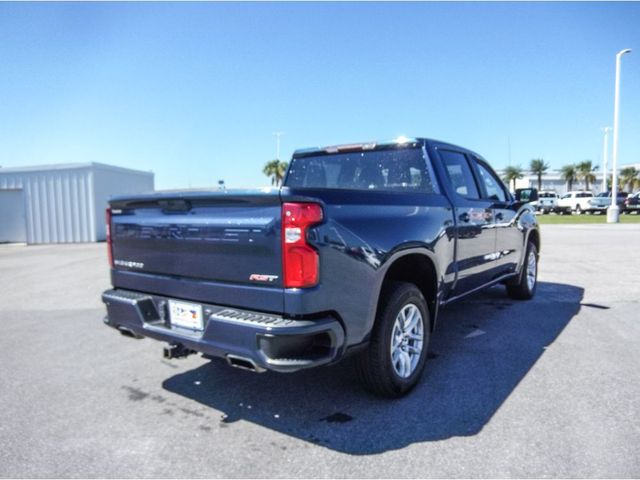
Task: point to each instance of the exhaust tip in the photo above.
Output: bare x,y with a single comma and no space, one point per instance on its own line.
243,363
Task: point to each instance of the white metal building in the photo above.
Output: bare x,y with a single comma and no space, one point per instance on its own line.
62,203
553,181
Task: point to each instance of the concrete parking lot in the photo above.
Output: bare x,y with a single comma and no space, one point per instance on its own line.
542,388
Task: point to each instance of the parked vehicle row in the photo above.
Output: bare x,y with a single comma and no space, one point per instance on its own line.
583,201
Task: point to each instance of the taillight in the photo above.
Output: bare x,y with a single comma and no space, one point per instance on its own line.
109,244
300,263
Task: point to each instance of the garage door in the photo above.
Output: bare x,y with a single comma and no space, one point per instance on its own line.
13,222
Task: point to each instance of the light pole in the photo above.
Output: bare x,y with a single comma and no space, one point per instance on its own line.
605,158
278,135
613,212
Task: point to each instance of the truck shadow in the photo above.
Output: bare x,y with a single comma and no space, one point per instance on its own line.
482,349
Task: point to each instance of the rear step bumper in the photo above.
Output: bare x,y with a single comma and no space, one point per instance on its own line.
268,341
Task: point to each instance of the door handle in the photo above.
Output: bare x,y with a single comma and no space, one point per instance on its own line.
499,217
464,217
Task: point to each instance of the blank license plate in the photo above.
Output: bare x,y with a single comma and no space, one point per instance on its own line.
185,315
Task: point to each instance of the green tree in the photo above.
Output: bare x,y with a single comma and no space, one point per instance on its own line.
511,174
569,175
584,172
538,167
276,170
630,177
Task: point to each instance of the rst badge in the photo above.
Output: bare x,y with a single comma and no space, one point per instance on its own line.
258,277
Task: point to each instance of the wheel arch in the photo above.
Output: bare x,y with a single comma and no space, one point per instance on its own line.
417,266
534,237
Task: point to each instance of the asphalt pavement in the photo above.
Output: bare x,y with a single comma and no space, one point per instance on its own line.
548,387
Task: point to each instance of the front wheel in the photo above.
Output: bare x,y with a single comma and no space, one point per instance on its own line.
393,363
527,281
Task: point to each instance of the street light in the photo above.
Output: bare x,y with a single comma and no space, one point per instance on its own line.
605,158
278,135
613,212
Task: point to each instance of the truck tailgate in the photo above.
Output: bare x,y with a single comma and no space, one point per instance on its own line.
214,237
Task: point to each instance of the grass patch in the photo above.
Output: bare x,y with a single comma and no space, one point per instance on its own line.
577,219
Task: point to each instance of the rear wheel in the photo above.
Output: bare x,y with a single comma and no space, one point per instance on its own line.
395,359
527,281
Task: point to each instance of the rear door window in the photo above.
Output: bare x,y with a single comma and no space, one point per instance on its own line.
460,174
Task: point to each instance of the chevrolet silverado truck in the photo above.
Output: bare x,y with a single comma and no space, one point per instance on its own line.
355,254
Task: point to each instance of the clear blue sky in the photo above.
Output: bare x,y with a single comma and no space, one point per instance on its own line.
194,91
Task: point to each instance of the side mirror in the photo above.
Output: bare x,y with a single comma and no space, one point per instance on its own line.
526,195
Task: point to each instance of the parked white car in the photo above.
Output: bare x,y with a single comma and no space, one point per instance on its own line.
547,202
575,201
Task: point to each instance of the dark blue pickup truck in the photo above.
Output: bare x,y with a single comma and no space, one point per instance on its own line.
354,255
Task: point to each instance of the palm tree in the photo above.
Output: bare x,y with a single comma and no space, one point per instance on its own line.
569,174
276,170
629,177
511,174
538,168
584,171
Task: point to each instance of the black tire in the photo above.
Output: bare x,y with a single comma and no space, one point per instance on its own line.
375,367
521,288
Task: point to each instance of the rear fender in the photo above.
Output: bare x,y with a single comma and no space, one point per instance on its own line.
393,257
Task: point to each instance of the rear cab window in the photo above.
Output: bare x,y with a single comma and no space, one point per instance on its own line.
393,169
